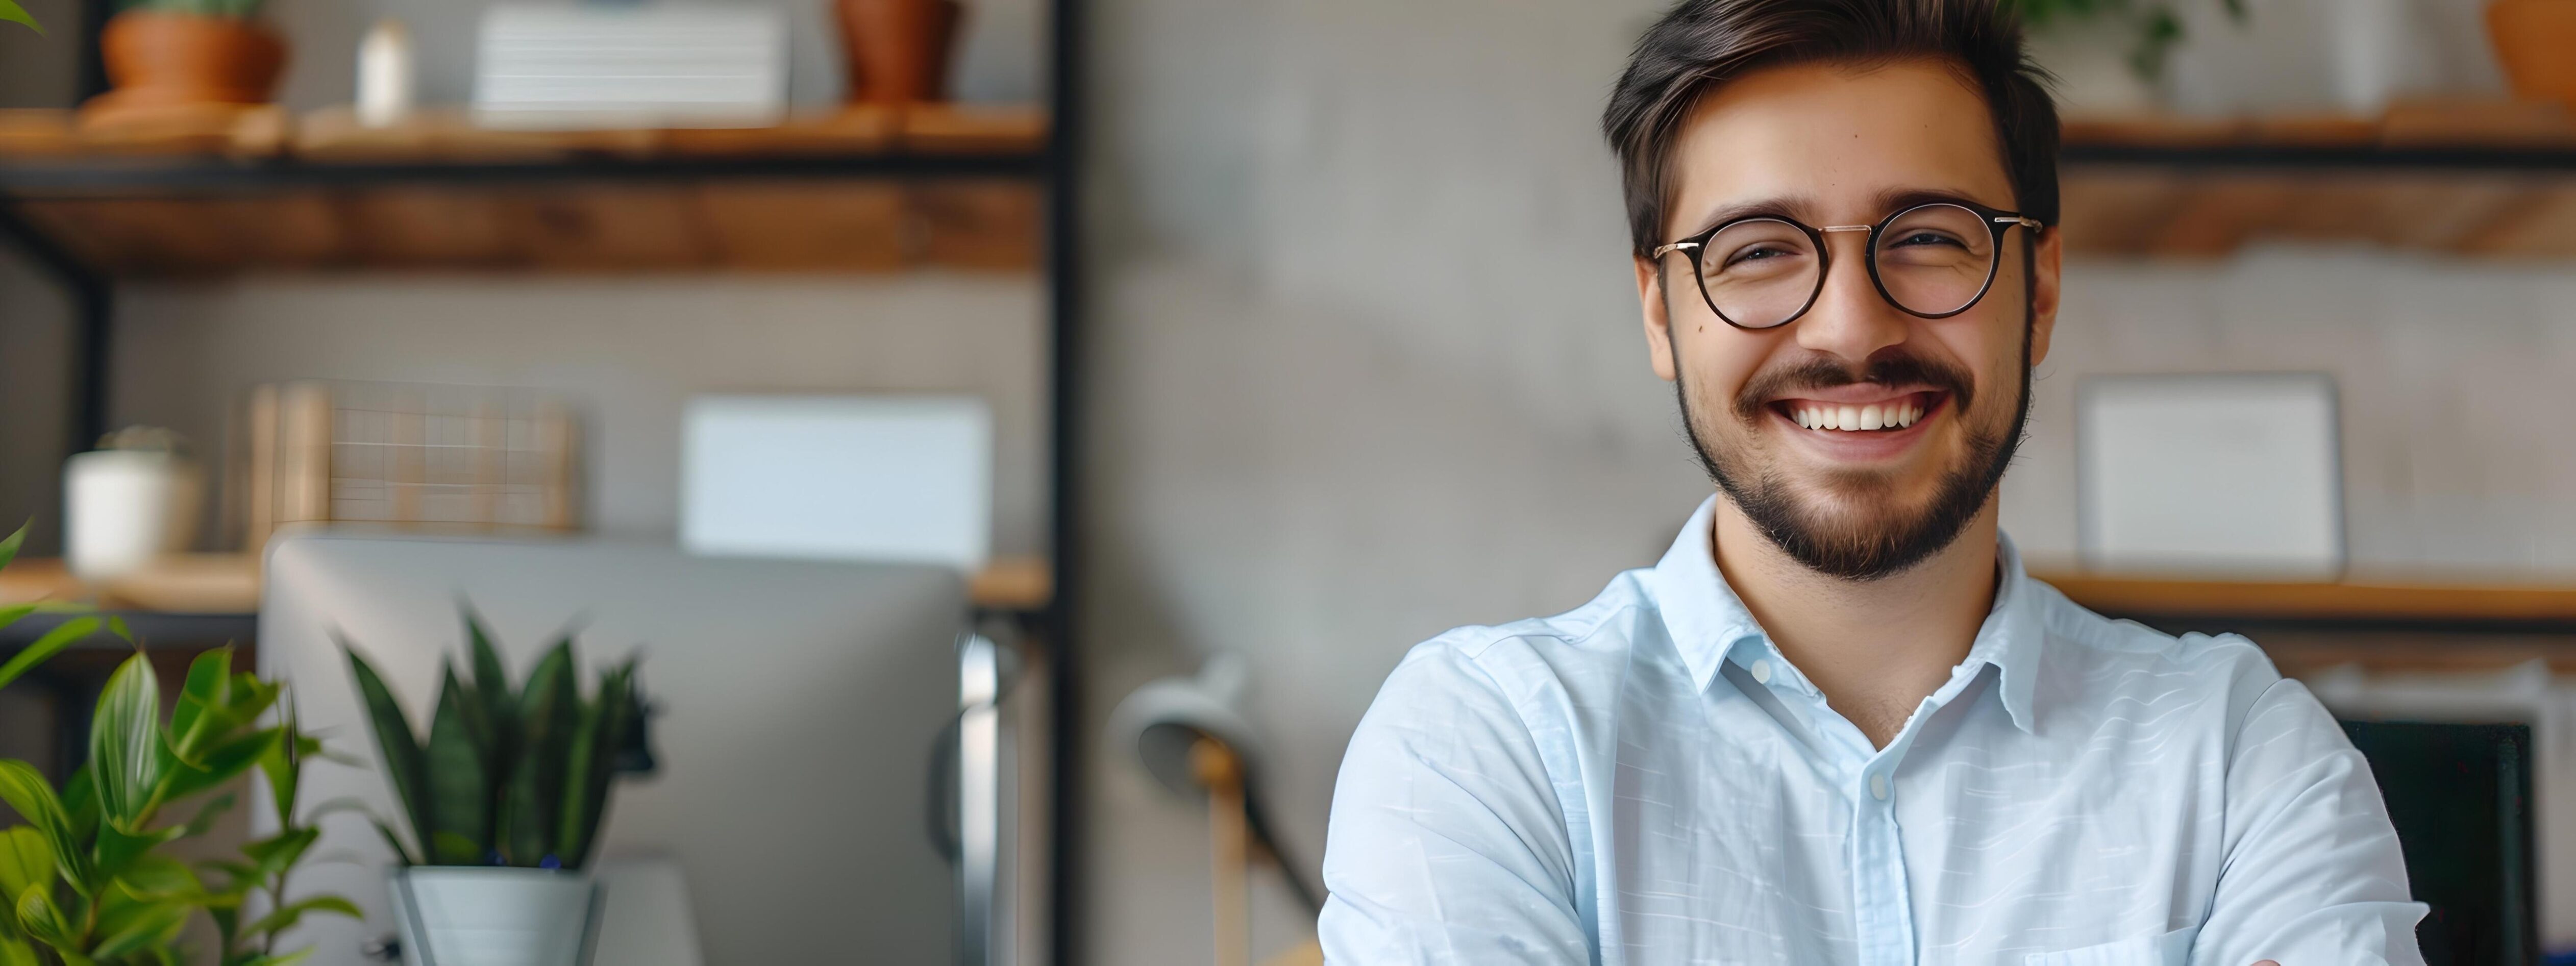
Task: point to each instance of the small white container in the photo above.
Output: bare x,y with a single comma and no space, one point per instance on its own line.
476,916
385,75
124,507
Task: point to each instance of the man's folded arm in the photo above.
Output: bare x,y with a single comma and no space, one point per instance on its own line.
1448,843
2313,874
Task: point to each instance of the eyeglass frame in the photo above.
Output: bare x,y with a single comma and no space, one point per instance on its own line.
1997,219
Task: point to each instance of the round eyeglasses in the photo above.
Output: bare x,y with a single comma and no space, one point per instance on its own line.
1931,260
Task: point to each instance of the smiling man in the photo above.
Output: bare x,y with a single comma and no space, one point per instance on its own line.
1838,723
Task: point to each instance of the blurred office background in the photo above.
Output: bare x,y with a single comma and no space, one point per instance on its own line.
1360,359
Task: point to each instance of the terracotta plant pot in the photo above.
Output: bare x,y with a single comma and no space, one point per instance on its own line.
168,59
2535,40
898,50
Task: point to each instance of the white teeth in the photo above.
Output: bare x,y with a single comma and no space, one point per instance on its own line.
1859,418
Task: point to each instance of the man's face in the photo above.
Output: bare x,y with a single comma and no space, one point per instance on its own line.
1827,145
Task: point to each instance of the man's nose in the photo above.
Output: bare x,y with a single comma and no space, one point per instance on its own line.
1849,318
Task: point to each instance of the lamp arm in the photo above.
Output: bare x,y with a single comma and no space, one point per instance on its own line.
1258,819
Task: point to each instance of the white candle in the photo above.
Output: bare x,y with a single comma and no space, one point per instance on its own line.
384,75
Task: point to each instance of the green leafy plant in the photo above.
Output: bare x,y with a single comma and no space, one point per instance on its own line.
83,882
13,13
47,645
505,777
2158,27
228,9
264,864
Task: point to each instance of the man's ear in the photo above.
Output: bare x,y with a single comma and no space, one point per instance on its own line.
1659,323
2043,290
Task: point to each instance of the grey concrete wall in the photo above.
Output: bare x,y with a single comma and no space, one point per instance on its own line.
35,338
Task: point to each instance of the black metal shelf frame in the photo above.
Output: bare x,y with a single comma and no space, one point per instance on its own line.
91,291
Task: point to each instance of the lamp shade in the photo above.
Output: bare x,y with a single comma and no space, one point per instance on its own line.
1161,720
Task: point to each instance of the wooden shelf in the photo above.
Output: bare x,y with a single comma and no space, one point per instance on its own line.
255,135
224,584
2480,179
2379,625
2346,602
243,190
207,583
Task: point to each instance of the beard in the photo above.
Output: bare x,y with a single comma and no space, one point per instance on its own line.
1874,537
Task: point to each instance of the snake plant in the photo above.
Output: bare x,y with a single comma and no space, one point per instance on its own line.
85,880
506,777
12,12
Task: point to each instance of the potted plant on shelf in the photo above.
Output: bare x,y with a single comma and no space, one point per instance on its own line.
897,51
2532,39
2107,55
504,796
184,54
87,878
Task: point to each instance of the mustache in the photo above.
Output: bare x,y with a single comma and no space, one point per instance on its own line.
1820,372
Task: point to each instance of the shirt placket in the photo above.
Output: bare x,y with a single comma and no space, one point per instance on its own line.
1882,910
1883,920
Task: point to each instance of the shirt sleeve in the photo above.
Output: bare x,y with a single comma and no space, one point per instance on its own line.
2313,875
1447,842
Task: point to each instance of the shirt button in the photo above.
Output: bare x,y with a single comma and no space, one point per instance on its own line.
1878,787
1762,671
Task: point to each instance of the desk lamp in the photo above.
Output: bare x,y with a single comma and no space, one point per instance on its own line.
1188,735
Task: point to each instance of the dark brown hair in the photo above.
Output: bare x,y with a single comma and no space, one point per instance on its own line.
1701,44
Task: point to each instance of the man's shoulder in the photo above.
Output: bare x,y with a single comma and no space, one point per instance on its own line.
1571,651
2100,656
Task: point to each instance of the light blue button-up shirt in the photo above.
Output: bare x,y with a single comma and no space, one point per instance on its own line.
1645,779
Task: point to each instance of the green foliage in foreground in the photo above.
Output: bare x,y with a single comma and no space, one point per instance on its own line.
12,12
85,881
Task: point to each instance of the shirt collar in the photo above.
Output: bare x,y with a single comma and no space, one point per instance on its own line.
1707,621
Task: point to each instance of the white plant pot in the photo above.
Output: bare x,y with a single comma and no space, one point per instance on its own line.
122,508
472,916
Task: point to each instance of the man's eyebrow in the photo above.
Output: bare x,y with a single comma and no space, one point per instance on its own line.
1894,200
1789,207
1796,207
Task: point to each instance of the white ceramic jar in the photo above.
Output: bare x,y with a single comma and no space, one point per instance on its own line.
124,507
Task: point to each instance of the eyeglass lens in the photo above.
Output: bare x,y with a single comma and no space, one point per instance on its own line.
1932,260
